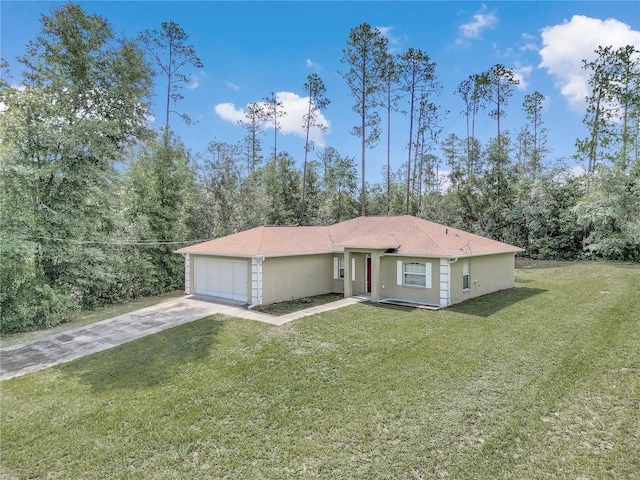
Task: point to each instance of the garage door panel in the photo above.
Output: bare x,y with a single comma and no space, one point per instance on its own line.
221,278
200,276
239,281
213,276
226,279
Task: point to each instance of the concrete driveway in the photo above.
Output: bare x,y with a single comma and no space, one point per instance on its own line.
71,344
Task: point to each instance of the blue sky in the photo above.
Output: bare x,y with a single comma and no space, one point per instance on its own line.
250,49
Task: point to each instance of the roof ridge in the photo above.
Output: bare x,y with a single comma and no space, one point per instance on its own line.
259,240
418,222
284,226
331,240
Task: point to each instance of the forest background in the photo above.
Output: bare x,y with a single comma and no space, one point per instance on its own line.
94,201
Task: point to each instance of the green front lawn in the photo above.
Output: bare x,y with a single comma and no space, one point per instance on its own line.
542,381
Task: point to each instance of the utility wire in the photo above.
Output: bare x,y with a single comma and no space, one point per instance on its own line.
103,242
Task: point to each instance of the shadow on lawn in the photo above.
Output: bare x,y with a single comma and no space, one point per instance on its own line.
487,305
148,361
391,306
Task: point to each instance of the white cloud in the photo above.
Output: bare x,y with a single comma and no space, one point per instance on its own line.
529,43
520,73
566,174
529,47
229,112
291,124
195,83
296,107
577,170
232,86
566,45
482,21
394,42
195,80
444,180
312,64
386,32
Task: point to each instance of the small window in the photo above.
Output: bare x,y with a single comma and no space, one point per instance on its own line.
415,274
466,284
338,268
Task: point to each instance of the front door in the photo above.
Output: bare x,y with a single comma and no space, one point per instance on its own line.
368,274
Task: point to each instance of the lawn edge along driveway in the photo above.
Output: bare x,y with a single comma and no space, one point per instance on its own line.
65,346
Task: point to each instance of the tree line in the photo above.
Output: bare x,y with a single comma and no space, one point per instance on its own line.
94,201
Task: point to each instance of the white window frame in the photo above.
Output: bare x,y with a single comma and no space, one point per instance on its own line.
466,275
402,274
338,268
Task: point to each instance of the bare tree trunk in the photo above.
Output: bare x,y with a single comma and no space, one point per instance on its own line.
410,142
363,212
304,169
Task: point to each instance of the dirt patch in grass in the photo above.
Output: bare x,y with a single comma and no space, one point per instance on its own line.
282,308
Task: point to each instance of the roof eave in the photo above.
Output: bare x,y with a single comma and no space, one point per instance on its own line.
258,255
450,256
218,254
482,254
296,254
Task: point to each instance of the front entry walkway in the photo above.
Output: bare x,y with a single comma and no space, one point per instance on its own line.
71,344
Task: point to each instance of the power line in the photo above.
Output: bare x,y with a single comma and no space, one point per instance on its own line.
123,243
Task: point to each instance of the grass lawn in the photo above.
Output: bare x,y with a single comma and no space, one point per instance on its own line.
541,381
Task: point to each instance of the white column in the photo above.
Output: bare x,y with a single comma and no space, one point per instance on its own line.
256,281
187,274
445,283
348,283
375,275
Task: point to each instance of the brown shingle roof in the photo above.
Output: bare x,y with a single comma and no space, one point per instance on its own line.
267,241
410,235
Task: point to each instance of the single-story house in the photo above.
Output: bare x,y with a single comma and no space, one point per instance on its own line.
385,257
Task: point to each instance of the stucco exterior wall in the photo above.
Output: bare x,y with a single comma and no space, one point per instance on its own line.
287,278
487,274
389,276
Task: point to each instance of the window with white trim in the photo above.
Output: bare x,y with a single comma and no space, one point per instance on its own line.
414,274
466,278
338,268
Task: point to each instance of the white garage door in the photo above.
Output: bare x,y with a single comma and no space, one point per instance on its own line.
220,278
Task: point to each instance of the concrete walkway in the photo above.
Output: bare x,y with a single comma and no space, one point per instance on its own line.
62,347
